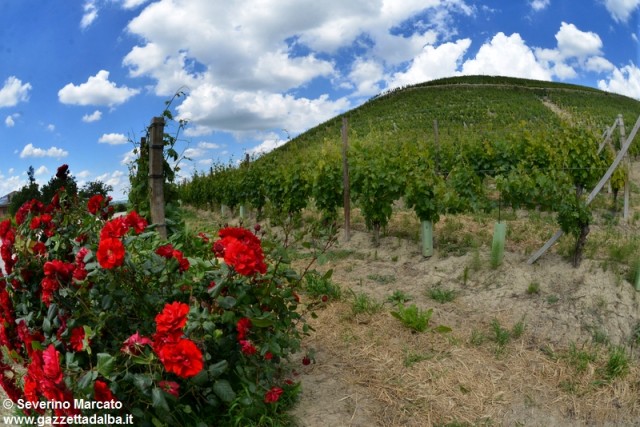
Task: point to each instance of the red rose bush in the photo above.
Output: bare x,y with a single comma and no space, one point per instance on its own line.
193,331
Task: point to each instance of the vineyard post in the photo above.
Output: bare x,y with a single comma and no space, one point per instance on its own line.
156,175
437,143
427,238
627,161
345,180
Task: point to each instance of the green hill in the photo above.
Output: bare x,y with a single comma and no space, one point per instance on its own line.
485,103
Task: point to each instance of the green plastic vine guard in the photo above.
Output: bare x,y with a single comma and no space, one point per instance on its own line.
242,211
223,210
427,238
497,247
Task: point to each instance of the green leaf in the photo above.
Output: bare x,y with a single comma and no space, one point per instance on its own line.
87,380
142,382
158,400
226,302
105,364
219,368
262,323
442,329
223,390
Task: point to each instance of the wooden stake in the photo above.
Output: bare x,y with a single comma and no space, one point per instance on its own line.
627,161
156,175
345,180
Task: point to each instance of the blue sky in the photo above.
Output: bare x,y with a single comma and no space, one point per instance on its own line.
80,79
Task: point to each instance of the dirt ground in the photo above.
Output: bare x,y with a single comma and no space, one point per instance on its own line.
362,374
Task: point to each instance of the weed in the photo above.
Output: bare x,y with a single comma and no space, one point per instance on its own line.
413,317
552,299
502,335
476,262
363,303
599,335
518,329
411,358
635,335
580,359
318,285
399,297
394,258
618,363
416,319
383,279
477,338
442,295
533,288
465,276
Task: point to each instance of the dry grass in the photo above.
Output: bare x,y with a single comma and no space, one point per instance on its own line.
455,381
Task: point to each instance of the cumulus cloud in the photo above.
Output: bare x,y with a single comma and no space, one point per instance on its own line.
128,157
538,5
213,108
625,81
10,120
14,91
30,151
506,56
113,139
42,170
621,10
132,4
433,63
97,90
83,174
208,145
249,82
90,13
573,42
269,144
93,117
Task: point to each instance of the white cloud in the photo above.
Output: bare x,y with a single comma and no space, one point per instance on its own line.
575,43
128,157
131,4
84,174
249,82
367,75
14,91
90,14
50,127
42,170
118,180
10,121
30,151
539,5
98,90
506,56
433,63
208,145
93,117
625,81
621,10
192,153
267,145
213,108
205,162
113,139
598,64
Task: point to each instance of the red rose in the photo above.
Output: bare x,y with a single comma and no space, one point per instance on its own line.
134,344
77,338
110,253
95,203
135,221
182,358
39,248
115,228
242,326
273,395
172,318
306,361
247,347
102,392
268,355
51,365
165,251
183,263
171,387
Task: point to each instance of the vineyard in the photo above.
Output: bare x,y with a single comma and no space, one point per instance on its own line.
552,343
461,145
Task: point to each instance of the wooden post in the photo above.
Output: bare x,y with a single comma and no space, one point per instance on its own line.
627,165
345,180
437,143
156,175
